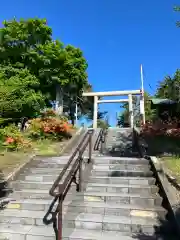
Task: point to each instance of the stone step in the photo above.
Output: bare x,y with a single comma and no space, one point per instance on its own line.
83,220
120,160
122,180
121,167
41,177
90,207
24,193
110,223
146,200
121,173
96,187
77,234
33,185
47,171
37,178
26,232
46,165
22,232
121,188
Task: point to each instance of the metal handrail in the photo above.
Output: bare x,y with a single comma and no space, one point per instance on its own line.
78,148
63,187
100,140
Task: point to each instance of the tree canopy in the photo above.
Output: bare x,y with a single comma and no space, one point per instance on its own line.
32,65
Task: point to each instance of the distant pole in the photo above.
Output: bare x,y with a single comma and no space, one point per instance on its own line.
142,99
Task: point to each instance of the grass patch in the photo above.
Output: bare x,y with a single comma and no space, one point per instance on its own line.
172,166
47,147
11,160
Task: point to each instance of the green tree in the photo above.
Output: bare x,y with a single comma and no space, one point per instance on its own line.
19,96
149,113
101,123
28,44
170,87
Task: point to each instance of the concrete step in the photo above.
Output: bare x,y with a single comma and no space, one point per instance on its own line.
30,194
21,232
33,185
121,188
77,234
24,193
122,180
110,223
121,173
121,167
41,177
120,160
46,165
89,207
102,179
146,200
47,171
96,187
83,220
26,232
37,178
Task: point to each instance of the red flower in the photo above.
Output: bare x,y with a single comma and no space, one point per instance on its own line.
9,140
46,129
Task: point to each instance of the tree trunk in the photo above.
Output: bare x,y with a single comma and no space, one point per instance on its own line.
72,118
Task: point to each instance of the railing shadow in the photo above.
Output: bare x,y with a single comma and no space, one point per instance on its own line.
53,219
166,230
5,190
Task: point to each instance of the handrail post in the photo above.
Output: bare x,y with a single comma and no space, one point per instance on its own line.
60,216
80,173
90,148
102,141
104,144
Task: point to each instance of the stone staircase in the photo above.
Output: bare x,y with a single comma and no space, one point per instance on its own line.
119,201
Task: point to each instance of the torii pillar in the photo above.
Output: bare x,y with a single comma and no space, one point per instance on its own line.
131,117
95,113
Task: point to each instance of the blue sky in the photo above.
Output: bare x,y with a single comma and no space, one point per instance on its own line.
116,36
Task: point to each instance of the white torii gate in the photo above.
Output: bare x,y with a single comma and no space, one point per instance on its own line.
115,93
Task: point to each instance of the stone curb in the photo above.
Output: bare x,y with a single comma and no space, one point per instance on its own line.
173,181
16,170
13,174
166,188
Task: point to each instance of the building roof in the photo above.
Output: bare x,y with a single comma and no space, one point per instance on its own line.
157,101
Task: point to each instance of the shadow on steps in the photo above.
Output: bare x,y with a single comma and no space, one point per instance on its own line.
168,229
3,186
122,146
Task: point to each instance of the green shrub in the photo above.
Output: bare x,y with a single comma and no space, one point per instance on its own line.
12,139
49,127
